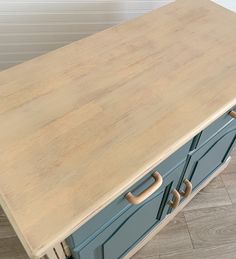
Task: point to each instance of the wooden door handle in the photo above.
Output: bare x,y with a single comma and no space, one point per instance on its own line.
188,189
175,202
232,114
146,193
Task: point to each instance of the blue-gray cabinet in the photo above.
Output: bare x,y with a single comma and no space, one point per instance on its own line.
125,231
102,220
209,157
114,231
216,127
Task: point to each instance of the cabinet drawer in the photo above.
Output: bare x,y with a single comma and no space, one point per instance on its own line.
95,225
126,231
209,157
213,129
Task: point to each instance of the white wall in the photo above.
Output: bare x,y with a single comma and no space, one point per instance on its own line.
229,4
29,28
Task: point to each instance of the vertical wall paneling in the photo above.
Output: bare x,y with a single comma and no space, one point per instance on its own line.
29,28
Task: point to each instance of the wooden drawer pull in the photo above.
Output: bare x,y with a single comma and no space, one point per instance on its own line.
232,114
188,189
146,193
175,203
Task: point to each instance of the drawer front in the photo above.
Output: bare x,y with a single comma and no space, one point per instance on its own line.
214,128
87,232
213,154
113,241
126,231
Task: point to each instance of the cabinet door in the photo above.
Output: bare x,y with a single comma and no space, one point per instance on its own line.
123,233
104,218
212,155
131,230
126,231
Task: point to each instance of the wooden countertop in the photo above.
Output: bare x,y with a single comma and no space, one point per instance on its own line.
80,125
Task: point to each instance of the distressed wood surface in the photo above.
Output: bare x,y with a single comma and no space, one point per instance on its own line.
83,123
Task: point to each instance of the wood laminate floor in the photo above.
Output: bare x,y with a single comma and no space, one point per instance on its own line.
206,228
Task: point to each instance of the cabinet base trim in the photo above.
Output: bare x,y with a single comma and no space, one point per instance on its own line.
60,251
165,221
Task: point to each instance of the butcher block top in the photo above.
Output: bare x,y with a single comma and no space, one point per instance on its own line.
80,125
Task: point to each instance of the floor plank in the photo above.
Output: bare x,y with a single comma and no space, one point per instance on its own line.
212,195
6,230
11,248
138,256
211,227
229,180
176,233
175,237
219,252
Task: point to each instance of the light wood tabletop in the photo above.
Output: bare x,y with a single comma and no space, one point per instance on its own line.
80,125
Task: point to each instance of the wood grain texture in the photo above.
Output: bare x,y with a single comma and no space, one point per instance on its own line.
209,228
218,252
178,244
229,180
10,246
82,124
6,230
